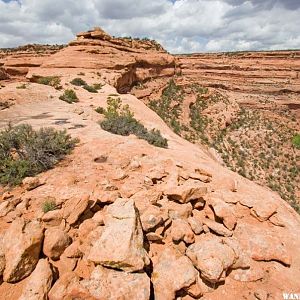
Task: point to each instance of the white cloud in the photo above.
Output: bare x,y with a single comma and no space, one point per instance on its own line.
181,26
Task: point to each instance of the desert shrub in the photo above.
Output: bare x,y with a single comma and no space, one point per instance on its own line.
120,120
4,105
90,88
100,110
296,141
98,86
48,206
21,87
53,81
78,82
69,96
25,152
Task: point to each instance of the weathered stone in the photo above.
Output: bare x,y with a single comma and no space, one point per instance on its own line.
52,218
151,218
171,273
22,245
31,183
195,224
217,227
122,231
64,286
74,208
73,251
212,258
186,192
264,210
55,242
39,283
181,231
110,284
223,211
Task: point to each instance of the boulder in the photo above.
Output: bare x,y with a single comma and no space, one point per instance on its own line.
55,242
39,283
181,231
111,284
22,244
212,258
52,218
122,231
171,273
186,192
151,218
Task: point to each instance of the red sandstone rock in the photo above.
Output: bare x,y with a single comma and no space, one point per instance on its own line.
122,231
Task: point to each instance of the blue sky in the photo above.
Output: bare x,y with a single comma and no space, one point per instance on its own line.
181,26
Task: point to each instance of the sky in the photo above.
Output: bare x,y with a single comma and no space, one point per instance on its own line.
181,26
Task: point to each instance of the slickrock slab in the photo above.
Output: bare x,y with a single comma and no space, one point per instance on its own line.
110,284
22,245
122,231
171,273
39,283
264,245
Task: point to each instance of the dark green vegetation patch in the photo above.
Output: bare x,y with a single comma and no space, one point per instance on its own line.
26,152
120,120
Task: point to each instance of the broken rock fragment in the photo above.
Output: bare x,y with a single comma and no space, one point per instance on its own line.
171,273
22,244
186,192
122,232
212,258
111,284
39,283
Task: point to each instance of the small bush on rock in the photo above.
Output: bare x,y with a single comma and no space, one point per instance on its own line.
69,96
90,88
78,82
25,152
296,141
120,120
48,206
53,81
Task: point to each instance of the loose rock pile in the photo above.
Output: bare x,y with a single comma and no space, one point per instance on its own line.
160,225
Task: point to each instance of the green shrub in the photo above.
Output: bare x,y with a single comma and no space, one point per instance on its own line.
69,96
48,206
296,141
98,86
22,86
78,82
53,81
120,120
25,152
90,88
100,110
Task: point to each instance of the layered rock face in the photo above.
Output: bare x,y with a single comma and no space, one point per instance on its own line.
249,72
130,220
